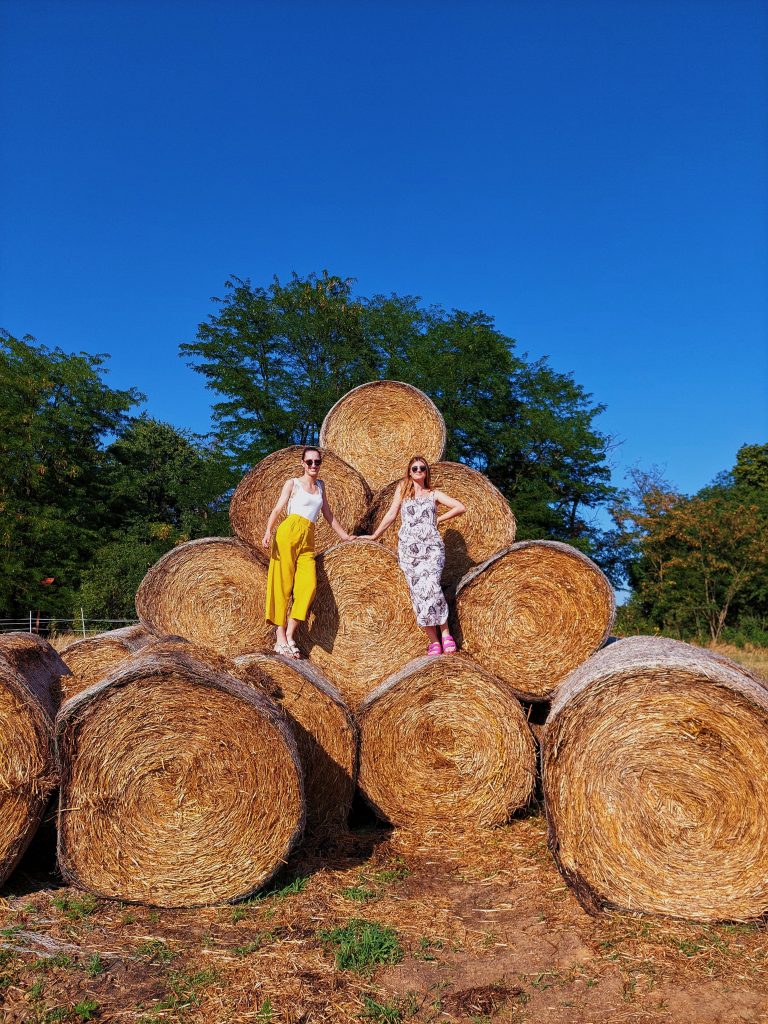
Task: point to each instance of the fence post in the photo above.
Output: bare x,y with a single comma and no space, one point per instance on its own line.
30,620
82,620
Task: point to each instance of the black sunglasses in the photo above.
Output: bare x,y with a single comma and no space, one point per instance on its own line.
418,469
312,462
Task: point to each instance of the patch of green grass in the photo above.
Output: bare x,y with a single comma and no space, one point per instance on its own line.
8,933
36,991
425,947
266,1013
185,989
298,885
86,1009
250,947
156,951
94,966
361,945
384,1013
74,908
396,873
50,963
359,893
154,916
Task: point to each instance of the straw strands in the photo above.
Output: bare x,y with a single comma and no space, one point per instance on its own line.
180,785
656,782
487,526
211,592
30,673
258,491
361,627
94,657
378,426
444,741
533,612
326,735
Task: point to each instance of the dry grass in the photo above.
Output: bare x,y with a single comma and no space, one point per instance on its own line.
751,657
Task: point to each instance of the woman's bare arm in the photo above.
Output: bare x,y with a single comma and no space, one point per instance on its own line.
332,521
282,502
389,518
455,508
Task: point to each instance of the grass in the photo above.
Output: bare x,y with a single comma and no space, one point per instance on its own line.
156,951
362,945
384,1013
75,908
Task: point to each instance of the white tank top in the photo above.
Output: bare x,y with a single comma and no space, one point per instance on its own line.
302,503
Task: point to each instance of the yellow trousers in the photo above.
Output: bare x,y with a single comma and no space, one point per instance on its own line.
291,571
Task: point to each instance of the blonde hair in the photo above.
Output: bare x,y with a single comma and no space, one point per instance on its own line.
407,489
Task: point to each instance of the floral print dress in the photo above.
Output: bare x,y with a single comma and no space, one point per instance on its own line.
421,553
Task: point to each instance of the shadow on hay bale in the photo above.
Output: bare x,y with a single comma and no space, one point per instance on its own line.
655,762
486,527
361,626
180,785
378,426
94,657
30,681
210,591
258,491
326,734
443,741
532,613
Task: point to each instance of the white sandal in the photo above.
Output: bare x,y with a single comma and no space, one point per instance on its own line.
283,649
295,652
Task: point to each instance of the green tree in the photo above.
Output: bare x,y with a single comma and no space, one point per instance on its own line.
281,356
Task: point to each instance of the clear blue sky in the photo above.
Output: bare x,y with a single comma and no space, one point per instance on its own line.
592,173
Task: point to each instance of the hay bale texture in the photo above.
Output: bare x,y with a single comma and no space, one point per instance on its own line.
210,591
532,613
258,491
325,732
94,657
30,675
656,782
180,785
444,742
486,527
361,627
377,427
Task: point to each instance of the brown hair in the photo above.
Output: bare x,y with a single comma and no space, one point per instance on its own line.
311,448
407,490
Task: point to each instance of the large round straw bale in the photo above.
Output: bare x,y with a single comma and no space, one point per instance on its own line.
361,627
30,674
211,592
94,657
533,612
656,782
444,741
180,785
326,734
487,526
258,491
378,426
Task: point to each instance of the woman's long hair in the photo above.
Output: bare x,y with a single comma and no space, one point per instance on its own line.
407,490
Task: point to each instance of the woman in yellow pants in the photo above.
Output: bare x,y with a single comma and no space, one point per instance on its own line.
292,557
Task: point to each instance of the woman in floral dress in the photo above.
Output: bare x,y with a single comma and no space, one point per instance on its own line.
421,551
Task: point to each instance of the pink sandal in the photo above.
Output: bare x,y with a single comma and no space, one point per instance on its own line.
434,649
449,644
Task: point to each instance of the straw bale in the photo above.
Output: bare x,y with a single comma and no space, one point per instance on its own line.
532,613
325,732
655,764
361,627
180,785
94,657
30,675
378,426
259,489
211,592
444,741
487,526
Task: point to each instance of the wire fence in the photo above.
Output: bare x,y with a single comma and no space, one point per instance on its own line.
45,625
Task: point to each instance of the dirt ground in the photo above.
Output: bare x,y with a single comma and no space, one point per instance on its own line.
474,929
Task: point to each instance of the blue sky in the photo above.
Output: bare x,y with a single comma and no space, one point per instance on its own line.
593,174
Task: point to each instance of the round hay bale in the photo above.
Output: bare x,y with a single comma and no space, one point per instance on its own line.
325,732
180,786
30,674
361,627
532,613
258,491
211,592
444,741
487,526
94,657
378,426
655,765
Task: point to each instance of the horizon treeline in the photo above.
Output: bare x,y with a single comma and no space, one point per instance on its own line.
92,494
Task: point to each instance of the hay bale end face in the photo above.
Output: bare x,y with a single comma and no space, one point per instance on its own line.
94,657
655,760
325,732
30,678
379,426
361,627
486,527
258,491
532,613
180,786
211,592
444,742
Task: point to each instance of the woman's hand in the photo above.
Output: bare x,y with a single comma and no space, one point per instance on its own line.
267,539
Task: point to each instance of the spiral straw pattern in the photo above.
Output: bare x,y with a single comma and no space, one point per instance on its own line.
94,657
